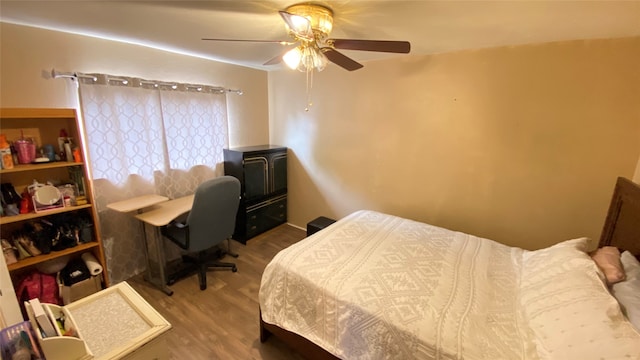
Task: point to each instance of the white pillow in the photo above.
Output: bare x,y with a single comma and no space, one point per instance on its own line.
630,264
627,292
569,309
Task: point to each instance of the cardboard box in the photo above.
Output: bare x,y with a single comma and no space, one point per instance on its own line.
80,289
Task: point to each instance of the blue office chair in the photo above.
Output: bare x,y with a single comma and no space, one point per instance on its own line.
211,221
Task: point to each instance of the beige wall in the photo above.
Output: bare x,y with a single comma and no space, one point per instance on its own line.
29,54
518,144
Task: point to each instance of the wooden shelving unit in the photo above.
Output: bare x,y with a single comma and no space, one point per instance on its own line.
44,126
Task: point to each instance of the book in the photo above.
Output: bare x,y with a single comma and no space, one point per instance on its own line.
43,319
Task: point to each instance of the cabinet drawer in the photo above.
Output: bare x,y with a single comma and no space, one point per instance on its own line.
266,215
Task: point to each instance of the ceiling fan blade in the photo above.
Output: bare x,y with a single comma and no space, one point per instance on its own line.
280,57
281,42
340,59
372,45
300,26
275,60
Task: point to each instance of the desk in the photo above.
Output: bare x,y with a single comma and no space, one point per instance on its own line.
138,204
161,215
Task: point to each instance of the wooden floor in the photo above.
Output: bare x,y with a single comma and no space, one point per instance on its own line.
221,322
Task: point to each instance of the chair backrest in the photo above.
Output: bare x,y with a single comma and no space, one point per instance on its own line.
213,215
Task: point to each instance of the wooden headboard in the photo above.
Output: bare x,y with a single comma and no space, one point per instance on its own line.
622,226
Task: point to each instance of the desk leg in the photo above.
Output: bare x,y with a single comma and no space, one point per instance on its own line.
147,274
160,262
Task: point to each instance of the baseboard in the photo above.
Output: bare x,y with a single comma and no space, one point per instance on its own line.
296,226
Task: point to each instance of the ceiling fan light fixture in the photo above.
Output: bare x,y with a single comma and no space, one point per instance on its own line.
298,25
319,59
305,58
292,58
319,17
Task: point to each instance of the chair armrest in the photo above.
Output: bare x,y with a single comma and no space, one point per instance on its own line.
178,233
179,225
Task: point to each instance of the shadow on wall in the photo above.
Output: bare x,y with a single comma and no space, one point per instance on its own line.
305,189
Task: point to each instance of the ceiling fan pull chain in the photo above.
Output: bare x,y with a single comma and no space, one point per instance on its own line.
309,86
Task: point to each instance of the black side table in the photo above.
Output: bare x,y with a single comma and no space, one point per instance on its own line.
318,224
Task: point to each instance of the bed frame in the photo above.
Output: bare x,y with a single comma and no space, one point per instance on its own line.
300,344
621,229
622,226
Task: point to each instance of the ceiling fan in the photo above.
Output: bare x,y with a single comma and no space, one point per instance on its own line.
310,25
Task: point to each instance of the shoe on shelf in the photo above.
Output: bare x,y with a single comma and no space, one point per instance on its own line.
9,194
9,251
11,210
22,252
28,245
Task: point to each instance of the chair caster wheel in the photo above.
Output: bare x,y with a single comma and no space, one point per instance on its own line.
234,269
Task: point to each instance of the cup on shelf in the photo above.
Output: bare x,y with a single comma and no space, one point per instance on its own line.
26,150
50,152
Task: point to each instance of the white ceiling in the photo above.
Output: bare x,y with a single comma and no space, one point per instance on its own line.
430,26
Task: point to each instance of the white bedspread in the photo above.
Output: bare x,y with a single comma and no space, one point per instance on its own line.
375,286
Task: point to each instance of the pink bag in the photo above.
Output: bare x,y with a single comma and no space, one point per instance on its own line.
38,285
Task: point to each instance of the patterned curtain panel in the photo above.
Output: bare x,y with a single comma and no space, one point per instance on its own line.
145,139
190,133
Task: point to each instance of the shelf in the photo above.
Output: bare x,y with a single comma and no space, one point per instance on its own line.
44,125
33,260
22,217
44,113
44,166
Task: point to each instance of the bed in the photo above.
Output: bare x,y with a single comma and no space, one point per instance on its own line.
376,286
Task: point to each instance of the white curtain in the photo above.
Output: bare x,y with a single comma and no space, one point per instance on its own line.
146,139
